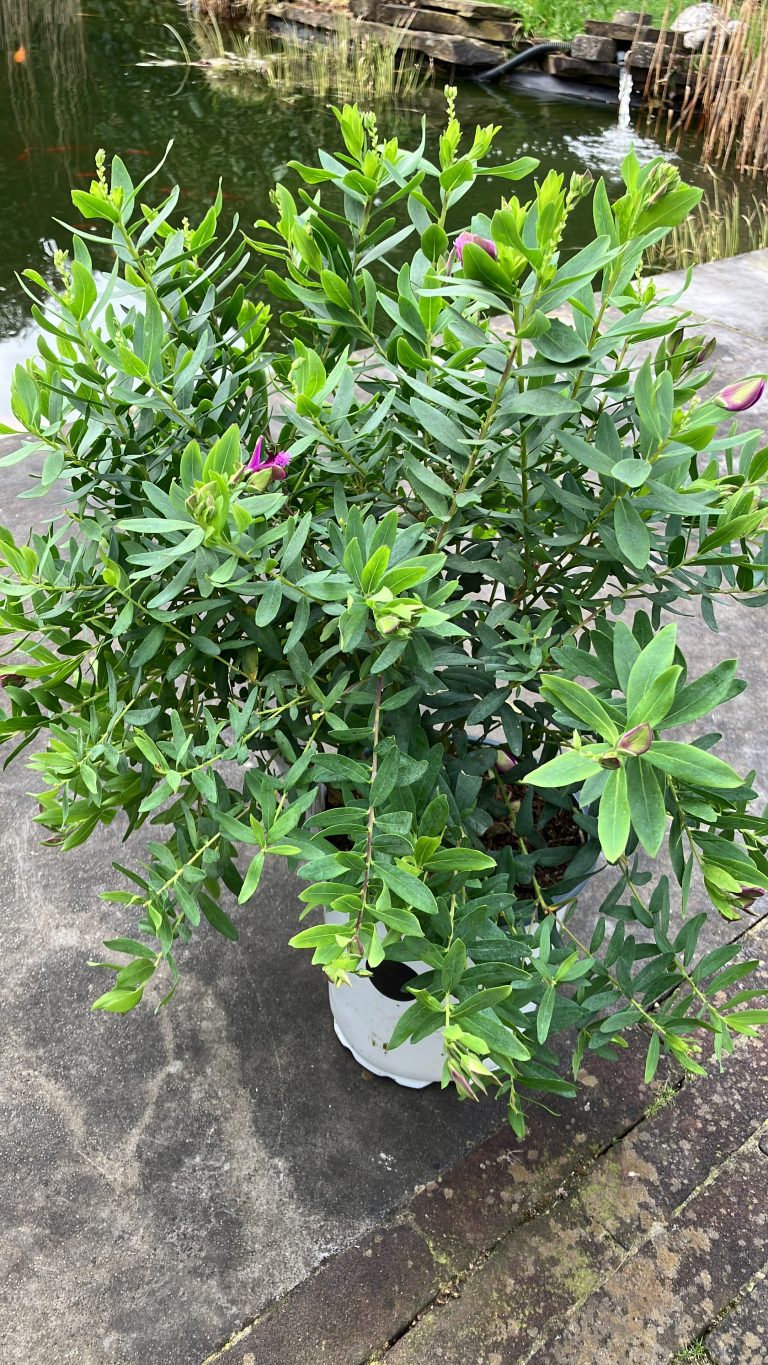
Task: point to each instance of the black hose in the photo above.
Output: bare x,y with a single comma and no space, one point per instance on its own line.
530,54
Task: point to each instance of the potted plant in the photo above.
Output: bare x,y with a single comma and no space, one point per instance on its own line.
437,504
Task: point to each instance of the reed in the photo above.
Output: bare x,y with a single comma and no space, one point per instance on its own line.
721,93
346,63
723,224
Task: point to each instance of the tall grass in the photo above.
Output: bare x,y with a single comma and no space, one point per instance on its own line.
345,63
563,18
725,97
724,224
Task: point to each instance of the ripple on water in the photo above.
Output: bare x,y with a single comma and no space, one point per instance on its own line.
605,151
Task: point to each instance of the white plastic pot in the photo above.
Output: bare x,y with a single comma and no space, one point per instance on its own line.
364,1018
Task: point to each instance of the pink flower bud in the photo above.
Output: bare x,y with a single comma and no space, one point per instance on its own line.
748,895
462,1084
742,395
505,762
638,740
472,239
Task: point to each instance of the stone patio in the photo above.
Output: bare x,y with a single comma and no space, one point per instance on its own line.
222,1181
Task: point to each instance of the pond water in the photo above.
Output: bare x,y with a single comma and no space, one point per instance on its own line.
72,83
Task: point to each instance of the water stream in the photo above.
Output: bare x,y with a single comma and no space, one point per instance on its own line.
625,94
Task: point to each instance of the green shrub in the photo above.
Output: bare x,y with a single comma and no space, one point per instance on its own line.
466,485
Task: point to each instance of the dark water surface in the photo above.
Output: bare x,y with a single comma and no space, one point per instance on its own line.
70,83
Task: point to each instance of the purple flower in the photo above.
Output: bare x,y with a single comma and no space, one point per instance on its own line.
743,394
276,464
472,239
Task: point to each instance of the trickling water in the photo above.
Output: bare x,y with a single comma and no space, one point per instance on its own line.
625,93
609,148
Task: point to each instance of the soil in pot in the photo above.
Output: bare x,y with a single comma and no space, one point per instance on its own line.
559,830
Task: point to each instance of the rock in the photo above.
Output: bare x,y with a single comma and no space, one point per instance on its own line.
436,21
697,17
640,56
451,51
695,38
589,48
575,68
621,33
701,24
471,9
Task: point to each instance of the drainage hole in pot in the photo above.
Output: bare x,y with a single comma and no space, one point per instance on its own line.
391,978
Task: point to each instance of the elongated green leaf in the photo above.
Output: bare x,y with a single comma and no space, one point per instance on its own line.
657,701
692,765
460,860
149,646
653,660
396,917
545,402
544,1014
252,878
409,888
130,945
336,290
435,422
698,698
118,1001
386,775
418,1017
581,704
613,821
317,936
499,1036
219,919
564,771
632,472
632,534
652,1058
646,805
625,652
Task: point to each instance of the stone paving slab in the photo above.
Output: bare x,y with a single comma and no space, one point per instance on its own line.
642,1253
726,297
664,1296
371,1292
643,1179
531,1244
448,1225
563,1288
505,1182
499,1314
741,1338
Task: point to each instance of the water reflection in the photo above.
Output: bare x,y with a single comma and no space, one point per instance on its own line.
81,87
46,64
